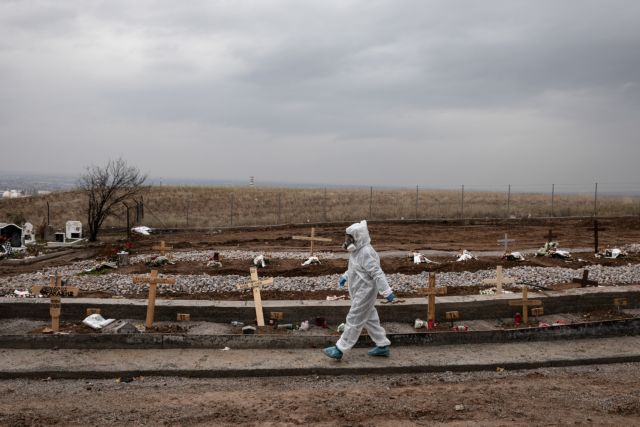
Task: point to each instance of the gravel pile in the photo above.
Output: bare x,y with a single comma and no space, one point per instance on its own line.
122,284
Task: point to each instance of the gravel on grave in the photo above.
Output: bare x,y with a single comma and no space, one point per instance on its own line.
121,284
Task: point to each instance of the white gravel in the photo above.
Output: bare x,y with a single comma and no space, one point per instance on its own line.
204,256
121,284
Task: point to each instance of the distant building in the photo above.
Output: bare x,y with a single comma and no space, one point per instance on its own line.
12,194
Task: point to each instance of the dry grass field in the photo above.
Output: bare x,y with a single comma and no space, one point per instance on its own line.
206,207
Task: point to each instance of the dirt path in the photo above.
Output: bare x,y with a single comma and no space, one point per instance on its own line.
596,395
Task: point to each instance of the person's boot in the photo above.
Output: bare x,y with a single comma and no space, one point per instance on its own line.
379,351
333,352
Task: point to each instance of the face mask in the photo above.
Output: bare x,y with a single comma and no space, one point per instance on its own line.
349,244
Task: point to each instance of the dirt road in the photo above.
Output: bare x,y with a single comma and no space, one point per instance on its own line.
596,395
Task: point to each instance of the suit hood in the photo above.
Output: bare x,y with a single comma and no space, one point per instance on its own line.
360,233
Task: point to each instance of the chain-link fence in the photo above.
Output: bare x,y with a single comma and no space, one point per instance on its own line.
211,207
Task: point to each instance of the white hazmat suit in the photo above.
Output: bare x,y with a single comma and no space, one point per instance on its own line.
366,279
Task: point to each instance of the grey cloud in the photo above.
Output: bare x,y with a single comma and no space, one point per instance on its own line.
435,78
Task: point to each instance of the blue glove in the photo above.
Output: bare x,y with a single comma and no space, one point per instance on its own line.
391,297
342,280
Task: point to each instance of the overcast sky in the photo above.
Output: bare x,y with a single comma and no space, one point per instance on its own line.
436,93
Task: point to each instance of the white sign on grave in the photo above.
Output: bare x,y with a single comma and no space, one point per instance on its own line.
28,236
73,230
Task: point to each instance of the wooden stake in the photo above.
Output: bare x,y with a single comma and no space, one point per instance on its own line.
255,285
525,303
499,280
550,236
584,282
596,230
153,280
312,238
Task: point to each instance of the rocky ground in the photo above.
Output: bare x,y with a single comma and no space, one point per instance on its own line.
594,395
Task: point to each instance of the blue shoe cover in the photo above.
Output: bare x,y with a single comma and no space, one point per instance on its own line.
379,351
333,352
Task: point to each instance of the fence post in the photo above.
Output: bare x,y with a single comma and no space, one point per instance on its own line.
188,207
509,201
231,213
324,205
279,206
595,202
371,204
553,193
462,204
417,195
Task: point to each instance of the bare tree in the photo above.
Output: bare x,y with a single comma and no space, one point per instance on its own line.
106,188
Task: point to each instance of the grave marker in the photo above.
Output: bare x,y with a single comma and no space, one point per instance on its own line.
620,302
525,302
255,285
584,282
537,312
276,315
452,315
506,242
162,248
431,292
499,280
312,238
55,291
550,236
596,230
153,280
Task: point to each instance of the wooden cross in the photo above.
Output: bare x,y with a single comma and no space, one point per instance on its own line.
153,280
550,236
431,292
162,248
312,238
525,303
596,230
255,285
506,242
55,291
584,282
499,280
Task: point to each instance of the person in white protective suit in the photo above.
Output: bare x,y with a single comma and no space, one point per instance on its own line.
366,279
